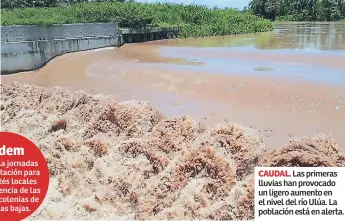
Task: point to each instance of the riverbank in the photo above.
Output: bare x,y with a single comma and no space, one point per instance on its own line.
30,47
123,160
192,20
156,130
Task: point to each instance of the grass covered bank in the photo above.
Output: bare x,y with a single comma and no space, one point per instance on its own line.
193,20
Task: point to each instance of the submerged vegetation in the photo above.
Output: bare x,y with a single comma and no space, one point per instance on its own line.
299,10
192,20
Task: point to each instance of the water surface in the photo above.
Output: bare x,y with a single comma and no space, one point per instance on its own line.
285,83
305,51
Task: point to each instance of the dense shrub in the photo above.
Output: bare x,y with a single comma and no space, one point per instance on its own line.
300,10
192,20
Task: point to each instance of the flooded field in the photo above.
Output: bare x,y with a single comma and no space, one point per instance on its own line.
286,83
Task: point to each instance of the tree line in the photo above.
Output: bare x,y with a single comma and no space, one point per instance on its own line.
191,20
293,10
8,4
299,10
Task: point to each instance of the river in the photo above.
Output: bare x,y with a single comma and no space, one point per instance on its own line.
285,83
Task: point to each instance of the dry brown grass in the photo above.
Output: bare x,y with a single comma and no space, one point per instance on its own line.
320,151
111,160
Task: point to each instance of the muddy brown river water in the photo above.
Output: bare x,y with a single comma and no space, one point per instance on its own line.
285,83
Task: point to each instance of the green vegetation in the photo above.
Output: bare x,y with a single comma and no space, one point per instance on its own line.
192,20
47,3
299,10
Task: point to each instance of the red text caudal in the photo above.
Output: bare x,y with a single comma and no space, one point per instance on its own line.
274,173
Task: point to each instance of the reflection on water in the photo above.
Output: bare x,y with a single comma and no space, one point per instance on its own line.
292,35
307,36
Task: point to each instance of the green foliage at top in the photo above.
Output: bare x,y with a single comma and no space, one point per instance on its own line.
192,20
11,4
300,10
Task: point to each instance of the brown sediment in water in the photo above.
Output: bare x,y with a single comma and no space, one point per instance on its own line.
278,108
111,160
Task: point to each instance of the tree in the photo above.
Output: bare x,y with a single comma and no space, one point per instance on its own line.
266,8
322,10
